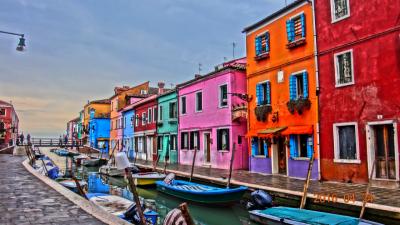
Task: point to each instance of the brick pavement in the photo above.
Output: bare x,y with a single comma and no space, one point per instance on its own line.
25,200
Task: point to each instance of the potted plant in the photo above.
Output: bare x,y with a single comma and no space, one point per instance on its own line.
262,112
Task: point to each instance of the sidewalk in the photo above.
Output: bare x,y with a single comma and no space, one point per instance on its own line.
382,198
25,200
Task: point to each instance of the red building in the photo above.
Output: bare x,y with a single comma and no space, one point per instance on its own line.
359,75
8,124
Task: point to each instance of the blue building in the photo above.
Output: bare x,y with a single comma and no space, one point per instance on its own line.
128,138
99,131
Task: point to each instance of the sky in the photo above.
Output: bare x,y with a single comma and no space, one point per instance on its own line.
79,50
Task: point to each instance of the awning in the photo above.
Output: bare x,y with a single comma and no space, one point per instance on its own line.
298,130
265,132
102,139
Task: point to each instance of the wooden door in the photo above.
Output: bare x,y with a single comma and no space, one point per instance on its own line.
207,147
281,156
384,151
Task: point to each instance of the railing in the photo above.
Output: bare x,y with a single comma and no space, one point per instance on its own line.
51,142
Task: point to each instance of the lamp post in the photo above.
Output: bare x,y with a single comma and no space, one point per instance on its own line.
21,45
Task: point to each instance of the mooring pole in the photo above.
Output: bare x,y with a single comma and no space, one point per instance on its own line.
186,214
307,183
135,196
231,165
367,191
80,189
194,160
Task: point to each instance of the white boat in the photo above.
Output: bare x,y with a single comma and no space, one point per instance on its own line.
112,171
70,184
113,204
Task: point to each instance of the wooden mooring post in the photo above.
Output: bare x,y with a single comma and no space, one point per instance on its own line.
193,163
231,165
367,191
186,214
307,183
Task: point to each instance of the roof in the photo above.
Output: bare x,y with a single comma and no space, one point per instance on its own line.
119,90
138,103
274,15
101,101
169,91
5,103
74,120
231,65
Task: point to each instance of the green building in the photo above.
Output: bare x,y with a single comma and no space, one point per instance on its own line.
80,125
167,127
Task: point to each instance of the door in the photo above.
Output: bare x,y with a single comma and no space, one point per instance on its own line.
384,145
207,148
149,148
281,156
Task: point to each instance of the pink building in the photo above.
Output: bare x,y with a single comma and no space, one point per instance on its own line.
212,119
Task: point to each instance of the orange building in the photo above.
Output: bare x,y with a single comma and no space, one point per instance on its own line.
283,119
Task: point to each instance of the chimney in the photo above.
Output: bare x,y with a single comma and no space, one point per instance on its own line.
196,76
160,87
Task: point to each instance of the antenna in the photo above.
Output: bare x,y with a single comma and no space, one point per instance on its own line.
233,49
200,68
225,59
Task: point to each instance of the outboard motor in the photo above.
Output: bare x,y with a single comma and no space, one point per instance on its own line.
259,200
131,214
134,169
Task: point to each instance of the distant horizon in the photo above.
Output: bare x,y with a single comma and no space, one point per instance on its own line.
79,51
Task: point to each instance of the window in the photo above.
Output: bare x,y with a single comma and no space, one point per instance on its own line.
298,85
150,115
223,139
259,147
2,112
173,114
136,144
344,68
137,120
296,28
263,93
194,140
131,119
183,105
140,144
340,9
262,44
301,146
160,113
155,114
173,142
143,92
346,142
199,101
160,142
223,95
144,118
184,140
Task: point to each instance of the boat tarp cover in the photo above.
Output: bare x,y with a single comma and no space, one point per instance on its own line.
310,216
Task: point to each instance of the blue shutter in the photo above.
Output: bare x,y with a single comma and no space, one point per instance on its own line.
259,94
254,146
293,146
303,25
292,87
310,148
258,45
265,148
305,84
290,30
267,42
268,92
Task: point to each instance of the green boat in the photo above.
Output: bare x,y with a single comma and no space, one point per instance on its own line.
201,193
296,216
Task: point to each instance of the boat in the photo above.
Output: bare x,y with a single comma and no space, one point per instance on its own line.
71,184
94,162
111,170
201,193
149,178
296,216
61,152
119,206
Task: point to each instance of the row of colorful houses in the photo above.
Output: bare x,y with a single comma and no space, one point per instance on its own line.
9,123
319,79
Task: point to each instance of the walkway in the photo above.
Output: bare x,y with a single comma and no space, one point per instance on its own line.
383,198
25,200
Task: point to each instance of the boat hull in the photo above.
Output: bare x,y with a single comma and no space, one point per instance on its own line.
222,196
111,171
147,179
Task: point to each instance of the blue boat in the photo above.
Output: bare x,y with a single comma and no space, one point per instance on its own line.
296,216
201,193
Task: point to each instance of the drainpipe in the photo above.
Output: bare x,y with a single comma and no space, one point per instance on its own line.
317,86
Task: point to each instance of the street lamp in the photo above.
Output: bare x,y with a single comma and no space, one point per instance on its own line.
21,44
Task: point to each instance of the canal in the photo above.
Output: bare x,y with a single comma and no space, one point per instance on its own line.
202,214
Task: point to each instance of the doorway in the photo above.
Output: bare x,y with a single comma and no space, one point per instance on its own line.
382,149
282,156
207,148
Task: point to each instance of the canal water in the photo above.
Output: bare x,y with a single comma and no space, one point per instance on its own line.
202,214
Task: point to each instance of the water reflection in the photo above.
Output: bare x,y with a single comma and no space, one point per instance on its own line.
204,215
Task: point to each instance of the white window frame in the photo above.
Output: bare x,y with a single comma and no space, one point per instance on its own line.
336,143
334,20
144,118
229,138
136,120
259,35
335,58
181,105
195,97
154,114
169,108
305,25
219,96
261,83
149,117
160,112
297,73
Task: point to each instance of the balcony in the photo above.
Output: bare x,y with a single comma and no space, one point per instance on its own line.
239,112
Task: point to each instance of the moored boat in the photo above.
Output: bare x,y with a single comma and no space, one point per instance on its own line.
94,162
149,178
201,193
111,170
71,184
296,216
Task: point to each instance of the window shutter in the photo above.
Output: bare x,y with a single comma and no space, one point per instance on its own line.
268,92
303,25
258,45
305,84
259,94
293,146
254,146
290,30
292,87
310,148
265,148
267,42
